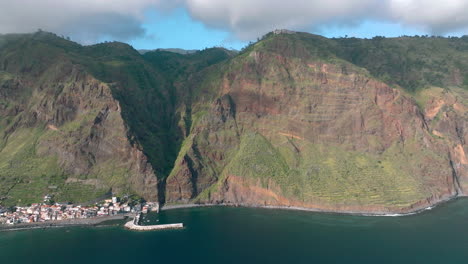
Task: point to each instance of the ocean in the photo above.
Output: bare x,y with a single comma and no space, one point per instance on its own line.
250,235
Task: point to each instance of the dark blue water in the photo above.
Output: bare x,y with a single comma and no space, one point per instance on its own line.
243,235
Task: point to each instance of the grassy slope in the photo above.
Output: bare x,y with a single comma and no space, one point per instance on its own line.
327,174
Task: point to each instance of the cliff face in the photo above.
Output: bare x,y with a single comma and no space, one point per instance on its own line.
63,133
88,136
293,120
308,131
80,122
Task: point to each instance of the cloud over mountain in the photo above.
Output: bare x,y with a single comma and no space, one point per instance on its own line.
84,20
90,20
247,19
437,16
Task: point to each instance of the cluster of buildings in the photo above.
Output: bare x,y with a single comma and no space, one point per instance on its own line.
43,212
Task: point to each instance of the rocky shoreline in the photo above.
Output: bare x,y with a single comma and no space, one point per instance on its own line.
406,212
98,221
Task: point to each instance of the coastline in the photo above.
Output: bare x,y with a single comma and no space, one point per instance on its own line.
416,210
98,221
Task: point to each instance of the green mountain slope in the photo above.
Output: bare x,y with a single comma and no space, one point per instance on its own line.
299,124
293,120
102,117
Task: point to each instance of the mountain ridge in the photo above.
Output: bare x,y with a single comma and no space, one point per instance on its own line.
292,120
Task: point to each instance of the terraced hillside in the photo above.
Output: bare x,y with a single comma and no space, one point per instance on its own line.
296,124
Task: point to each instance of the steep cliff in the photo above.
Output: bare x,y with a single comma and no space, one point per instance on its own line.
80,122
62,131
293,120
297,125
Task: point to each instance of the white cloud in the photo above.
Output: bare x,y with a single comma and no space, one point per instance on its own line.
248,19
90,20
432,15
86,20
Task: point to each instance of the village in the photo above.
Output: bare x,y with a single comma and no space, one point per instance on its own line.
50,212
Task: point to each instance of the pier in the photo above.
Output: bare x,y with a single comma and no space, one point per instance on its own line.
135,225
130,225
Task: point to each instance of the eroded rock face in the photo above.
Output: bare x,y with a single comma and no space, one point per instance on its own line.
290,121
199,168
84,130
447,116
337,109
241,191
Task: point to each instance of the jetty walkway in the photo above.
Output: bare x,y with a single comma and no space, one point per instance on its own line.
134,225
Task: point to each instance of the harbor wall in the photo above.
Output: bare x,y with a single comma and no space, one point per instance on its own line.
132,226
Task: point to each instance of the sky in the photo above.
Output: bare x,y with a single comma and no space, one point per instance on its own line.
198,24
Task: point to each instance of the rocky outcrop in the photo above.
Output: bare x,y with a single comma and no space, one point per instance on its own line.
95,140
83,130
447,116
205,155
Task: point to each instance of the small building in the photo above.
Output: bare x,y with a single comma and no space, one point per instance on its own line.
282,31
47,198
153,206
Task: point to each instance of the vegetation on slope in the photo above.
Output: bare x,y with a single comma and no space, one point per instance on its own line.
33,68
411,62
166,98
305,83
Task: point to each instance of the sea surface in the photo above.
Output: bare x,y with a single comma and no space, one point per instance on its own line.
246,235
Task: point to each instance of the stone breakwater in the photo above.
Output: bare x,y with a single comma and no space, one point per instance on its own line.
132,226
